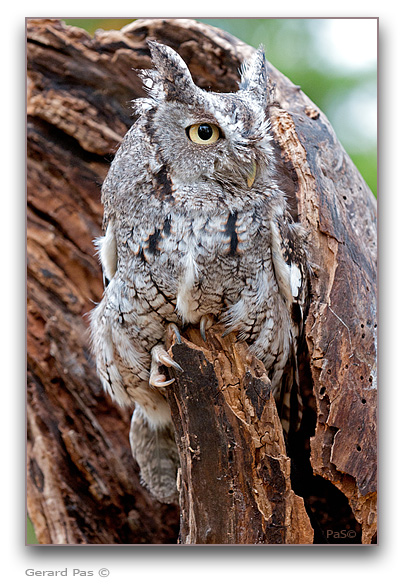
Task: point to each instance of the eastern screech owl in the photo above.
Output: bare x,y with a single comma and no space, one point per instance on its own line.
196,228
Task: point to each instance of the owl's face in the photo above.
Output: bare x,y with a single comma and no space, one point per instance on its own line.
205,137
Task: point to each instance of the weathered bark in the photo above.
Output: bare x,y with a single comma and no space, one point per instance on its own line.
235,482
82,483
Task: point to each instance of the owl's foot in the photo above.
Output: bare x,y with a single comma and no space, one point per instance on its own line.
206,321
161,357
172,329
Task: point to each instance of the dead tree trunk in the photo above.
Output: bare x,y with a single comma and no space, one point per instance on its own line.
235,484
239,482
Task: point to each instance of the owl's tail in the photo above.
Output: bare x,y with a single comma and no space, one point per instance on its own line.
155,451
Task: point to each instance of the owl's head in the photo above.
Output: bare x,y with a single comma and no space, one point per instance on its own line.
206,137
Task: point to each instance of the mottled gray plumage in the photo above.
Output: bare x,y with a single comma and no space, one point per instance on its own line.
196,225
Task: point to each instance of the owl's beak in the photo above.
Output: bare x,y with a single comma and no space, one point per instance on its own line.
252,171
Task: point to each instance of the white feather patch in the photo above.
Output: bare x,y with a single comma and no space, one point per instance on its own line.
186,304
107,252
295,280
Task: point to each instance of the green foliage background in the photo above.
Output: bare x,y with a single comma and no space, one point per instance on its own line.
294,47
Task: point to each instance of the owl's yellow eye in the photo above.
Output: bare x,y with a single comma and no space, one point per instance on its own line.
203,133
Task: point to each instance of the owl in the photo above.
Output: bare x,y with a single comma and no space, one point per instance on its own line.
197,230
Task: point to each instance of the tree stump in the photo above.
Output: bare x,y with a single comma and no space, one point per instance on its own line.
239,482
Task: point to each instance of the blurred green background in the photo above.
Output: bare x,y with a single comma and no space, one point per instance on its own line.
333,60
30,533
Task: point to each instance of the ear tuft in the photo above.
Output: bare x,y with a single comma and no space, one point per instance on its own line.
254,74
173,72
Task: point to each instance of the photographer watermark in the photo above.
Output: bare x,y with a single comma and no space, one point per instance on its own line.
103,572
342,534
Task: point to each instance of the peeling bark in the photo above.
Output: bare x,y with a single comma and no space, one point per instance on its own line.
336,206
83,485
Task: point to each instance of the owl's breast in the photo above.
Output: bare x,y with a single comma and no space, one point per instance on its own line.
203,261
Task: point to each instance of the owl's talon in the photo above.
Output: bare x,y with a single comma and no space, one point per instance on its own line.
172,328
168,362
157,380
161,357
205,322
